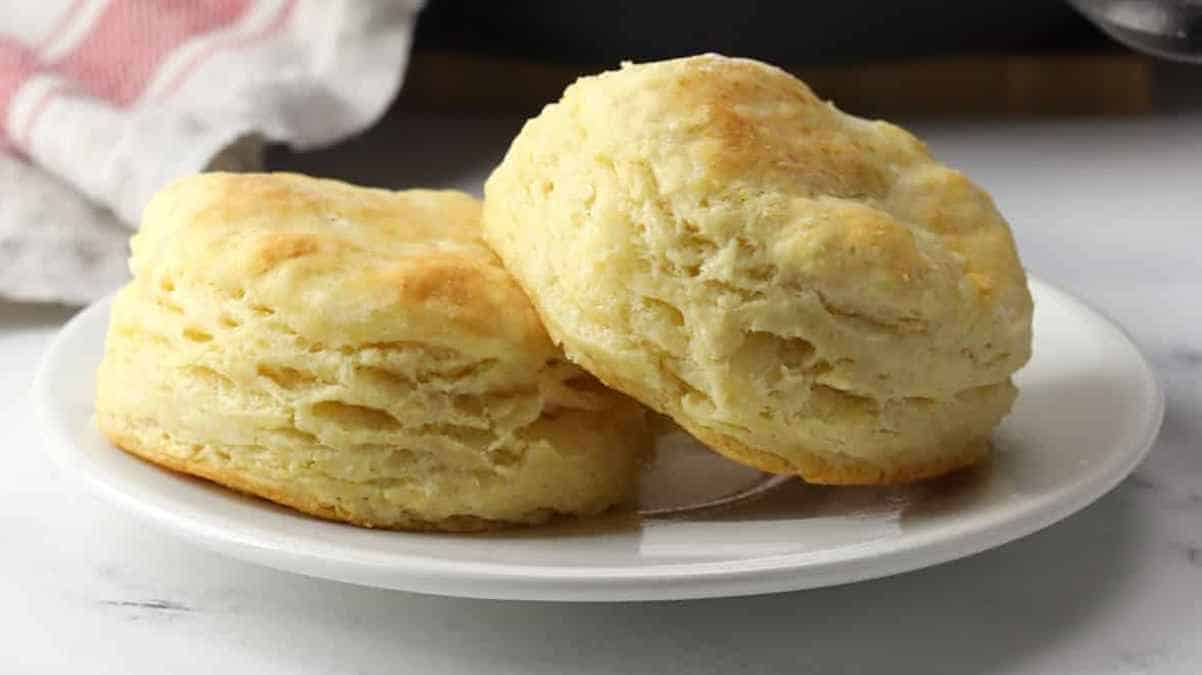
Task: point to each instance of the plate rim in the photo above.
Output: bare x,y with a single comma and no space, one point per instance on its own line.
681,580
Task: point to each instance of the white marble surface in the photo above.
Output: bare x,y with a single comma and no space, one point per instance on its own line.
1111,210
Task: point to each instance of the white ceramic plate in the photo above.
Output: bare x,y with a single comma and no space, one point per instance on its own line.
1089,410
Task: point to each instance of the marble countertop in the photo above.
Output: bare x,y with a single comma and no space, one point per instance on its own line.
1108,209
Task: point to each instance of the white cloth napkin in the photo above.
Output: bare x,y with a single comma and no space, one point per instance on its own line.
102,102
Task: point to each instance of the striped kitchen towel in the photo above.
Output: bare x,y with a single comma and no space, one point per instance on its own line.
104,101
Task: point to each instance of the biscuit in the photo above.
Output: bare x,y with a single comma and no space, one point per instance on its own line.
356,354
805,291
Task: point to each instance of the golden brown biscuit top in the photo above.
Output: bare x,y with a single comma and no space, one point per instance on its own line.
707,177
339,264
750,138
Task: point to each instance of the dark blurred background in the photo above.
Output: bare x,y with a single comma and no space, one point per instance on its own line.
924,57
797,33
496,63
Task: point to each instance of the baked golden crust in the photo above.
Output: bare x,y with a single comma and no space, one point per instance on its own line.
709,237
167,456
340,262
356,354
829,469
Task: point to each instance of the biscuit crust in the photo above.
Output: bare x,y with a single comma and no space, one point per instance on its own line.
807,291
356,354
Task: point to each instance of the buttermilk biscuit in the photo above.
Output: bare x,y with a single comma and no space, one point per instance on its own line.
805,291
356,354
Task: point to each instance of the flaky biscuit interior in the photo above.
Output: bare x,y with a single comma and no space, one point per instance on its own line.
357,354
805,290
